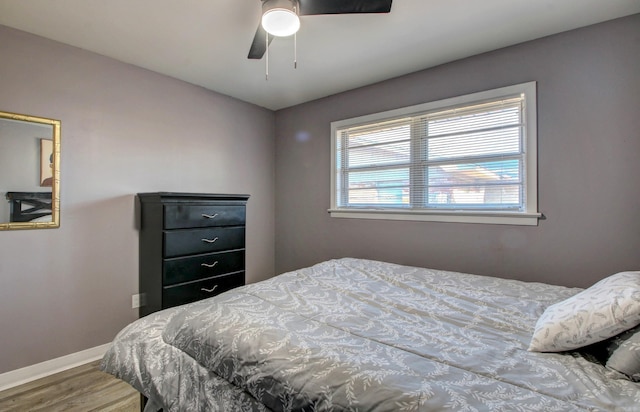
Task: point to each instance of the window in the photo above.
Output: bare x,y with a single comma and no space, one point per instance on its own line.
466,159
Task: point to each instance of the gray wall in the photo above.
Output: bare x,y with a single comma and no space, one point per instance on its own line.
124,130
588,166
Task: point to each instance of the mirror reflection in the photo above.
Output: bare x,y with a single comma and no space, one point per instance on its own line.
29,172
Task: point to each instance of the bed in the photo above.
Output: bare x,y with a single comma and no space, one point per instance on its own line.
362,335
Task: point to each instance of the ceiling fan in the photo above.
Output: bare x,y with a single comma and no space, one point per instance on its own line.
280,17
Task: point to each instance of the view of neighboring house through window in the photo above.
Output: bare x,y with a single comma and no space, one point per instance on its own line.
471,159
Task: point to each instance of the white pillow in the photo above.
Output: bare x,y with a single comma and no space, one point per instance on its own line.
606,309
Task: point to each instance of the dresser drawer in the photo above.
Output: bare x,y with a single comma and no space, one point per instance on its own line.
186,216
185,269
197,241
190,292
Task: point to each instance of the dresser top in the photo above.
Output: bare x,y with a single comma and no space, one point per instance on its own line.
177,197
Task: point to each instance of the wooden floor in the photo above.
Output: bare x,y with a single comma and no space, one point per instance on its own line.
84,389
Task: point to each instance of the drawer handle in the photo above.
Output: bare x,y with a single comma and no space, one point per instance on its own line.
209,216
210,240
209,290
209,265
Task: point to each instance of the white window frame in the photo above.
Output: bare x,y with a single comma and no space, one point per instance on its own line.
528,216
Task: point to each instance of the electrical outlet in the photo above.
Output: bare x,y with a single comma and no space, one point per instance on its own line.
138,300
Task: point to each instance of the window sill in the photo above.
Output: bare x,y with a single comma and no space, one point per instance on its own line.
492,218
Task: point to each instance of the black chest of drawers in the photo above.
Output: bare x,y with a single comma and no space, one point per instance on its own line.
192,246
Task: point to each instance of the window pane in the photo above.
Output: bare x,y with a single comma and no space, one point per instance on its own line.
503,141
485,197
496,172
380,196
379,134
476,121
379,178
491,185
379,187
396,153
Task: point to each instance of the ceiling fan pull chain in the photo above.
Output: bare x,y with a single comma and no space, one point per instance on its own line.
266,70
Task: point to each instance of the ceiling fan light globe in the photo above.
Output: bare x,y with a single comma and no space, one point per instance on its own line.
280,22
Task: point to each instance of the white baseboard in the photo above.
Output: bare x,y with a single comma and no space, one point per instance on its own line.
46,368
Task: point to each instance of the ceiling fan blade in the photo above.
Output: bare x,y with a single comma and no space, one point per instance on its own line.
258,47
310,7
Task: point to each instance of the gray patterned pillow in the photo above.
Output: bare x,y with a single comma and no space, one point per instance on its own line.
606,309
624,351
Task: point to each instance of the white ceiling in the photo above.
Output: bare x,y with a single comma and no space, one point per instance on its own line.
205,42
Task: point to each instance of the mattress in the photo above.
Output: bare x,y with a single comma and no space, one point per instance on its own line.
362,335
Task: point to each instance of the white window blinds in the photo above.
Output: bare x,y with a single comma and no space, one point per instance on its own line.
471,156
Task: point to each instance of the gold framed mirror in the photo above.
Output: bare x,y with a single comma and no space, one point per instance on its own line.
29,172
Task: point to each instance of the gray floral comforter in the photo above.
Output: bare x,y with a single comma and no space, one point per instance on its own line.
361,335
